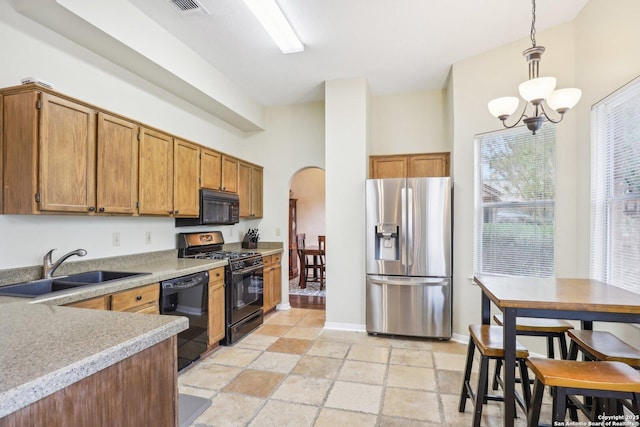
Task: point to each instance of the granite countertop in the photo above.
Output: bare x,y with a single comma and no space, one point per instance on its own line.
45,347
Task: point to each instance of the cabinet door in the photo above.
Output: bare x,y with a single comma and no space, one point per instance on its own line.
387,167
216,306
276,277
250,190
256,192
267,282
429,165
211,169
229,174
186,179
156,173
117,165
67,155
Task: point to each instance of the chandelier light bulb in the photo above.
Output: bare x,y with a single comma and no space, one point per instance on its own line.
563,100
537,89
503,107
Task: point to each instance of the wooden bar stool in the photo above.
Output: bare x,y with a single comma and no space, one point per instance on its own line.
488,340
607,380
602,345
530,326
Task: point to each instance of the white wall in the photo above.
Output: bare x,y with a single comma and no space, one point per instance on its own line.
308,189
31,50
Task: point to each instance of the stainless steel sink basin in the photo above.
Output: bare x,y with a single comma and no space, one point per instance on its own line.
47,286
91,277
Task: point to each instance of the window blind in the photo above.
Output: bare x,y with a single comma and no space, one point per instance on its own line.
615,188
515,203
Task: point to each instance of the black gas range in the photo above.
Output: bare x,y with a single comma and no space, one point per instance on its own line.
243,281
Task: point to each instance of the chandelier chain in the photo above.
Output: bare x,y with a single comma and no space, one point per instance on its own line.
533,23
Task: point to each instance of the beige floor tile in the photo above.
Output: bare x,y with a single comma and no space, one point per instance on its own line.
337,417
329,349
412,343
415,404
256,341
337,336
290,345
404,356
229,410
312,322
452,362
411,377
449,347
284,414
305,333
367,353
200,392
303,389
209,376
276,362
255,383
363,372
450,382
317,366
234,356
405,422
273,330
355,397
280,319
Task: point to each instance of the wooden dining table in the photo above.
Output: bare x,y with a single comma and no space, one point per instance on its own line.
586,300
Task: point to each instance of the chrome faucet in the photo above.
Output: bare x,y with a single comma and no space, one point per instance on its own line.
49,267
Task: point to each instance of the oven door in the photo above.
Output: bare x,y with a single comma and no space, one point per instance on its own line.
245,296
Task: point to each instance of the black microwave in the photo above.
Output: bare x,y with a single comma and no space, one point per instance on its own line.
216,208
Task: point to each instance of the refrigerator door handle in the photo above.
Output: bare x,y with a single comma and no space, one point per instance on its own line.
403,228
409,228
409,281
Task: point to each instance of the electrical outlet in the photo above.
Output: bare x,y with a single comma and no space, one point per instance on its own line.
147,238
115,239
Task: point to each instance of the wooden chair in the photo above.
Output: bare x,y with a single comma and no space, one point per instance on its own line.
310,259
322,246
488,340
607,380
549,328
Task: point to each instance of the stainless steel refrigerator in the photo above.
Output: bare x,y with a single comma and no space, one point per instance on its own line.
409,252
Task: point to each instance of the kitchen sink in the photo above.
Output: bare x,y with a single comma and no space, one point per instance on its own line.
34,288
92,277
47,286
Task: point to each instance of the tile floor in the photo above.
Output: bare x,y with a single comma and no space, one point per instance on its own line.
291,372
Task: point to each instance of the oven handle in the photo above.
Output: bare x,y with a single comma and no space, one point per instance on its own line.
249,269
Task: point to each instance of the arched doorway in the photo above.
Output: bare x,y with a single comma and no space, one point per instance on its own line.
306,217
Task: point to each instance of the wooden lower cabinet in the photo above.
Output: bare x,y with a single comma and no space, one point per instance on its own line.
144,299
216,306
141,390
272,276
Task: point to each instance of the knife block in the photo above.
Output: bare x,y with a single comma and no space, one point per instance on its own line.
249,242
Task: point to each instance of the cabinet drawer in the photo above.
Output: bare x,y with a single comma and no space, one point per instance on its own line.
275,259
216,275
149,308
99,303
125,301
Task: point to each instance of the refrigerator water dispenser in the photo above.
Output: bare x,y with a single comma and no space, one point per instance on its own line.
387,248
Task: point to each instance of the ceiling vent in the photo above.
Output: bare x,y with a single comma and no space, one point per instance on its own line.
189,7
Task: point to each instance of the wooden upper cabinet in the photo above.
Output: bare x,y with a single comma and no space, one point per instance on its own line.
388,166
210,169
117,166
67,155
250,190
434,164
229,174
186,179
155,173
409,165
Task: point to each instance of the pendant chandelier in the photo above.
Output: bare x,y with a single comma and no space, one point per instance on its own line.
536,91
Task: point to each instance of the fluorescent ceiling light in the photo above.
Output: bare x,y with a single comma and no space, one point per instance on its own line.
272,19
